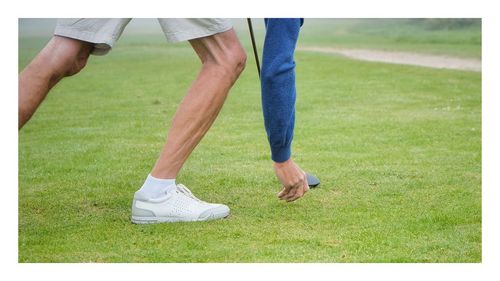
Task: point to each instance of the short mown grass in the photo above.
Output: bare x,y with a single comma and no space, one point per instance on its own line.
397,149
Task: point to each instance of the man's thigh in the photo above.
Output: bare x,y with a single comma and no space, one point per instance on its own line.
101,32
182,29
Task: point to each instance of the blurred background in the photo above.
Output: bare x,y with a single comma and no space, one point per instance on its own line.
455,37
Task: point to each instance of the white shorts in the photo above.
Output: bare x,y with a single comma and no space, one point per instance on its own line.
104,32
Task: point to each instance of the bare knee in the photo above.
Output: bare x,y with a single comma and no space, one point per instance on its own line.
67,56
237,59
241,60
223,53
76,64
232,62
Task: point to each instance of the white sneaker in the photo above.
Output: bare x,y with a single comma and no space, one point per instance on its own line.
178,204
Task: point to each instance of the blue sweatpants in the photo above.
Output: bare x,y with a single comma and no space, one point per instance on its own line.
278,84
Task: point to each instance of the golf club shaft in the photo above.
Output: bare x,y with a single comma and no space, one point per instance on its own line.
249,20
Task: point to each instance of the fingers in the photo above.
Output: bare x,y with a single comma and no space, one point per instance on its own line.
293,180
288,197
298,194
284,192
294,192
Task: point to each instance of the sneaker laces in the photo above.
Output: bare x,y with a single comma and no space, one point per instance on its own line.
184,190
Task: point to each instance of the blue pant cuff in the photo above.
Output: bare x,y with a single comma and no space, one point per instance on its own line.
280,154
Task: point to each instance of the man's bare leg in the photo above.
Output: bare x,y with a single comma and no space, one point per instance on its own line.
60,58
223,60
159,200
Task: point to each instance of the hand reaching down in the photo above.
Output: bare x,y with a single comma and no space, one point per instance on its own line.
292,178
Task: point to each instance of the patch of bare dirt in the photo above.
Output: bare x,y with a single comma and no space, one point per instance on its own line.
434,61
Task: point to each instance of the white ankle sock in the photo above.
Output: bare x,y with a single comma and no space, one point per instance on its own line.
154,188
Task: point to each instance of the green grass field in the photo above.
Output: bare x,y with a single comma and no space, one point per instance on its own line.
397,148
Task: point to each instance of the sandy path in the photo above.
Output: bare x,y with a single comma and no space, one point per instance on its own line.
433,61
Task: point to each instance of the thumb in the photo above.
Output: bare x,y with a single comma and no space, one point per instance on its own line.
284,191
